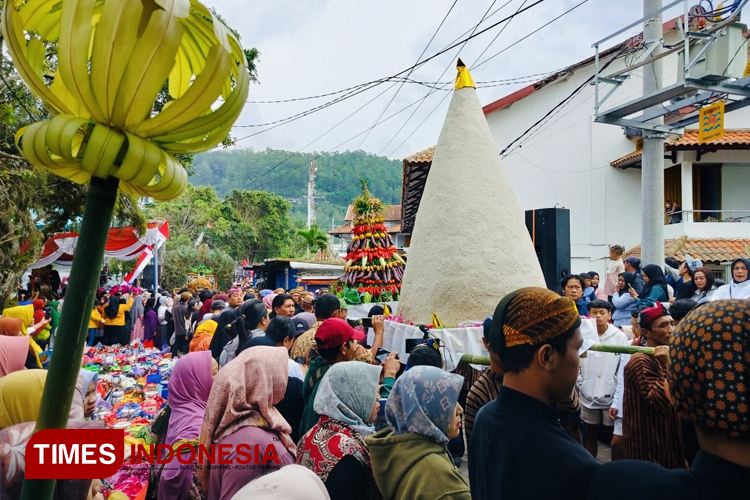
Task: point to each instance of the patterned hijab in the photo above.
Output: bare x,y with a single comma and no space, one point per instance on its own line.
244,394
347,394
711,368
531,316
423,401
13,441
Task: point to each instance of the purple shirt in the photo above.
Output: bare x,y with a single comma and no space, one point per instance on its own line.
150,325
224,483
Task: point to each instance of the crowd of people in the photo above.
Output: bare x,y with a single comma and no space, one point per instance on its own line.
288,371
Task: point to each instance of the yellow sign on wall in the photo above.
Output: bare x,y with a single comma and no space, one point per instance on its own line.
711,120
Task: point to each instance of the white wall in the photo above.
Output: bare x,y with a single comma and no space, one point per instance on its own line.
735,182
567,161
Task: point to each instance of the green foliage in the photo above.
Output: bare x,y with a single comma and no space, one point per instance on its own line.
314,239
337,179
247,224
181,260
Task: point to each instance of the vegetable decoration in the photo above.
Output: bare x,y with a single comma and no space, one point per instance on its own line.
373,269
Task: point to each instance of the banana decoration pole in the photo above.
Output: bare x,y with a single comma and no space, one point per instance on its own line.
99,66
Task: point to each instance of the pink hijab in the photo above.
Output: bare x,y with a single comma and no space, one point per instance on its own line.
13,352
268,300
244,394
189,387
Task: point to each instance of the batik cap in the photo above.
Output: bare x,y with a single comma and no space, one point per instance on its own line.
531,316
710,372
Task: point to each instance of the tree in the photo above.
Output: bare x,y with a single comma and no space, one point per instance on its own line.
268,215
314,238
184,259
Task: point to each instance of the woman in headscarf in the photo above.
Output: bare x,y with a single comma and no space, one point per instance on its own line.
138,331
164,313
241,409
622,300
189,389
423,414
251,322
13,327
150,321
292,482
334,449
85,396
14,352
21,396
221,335
54,315
739,287
655,289
10,327
41,336
268,300
26,315
282,305
13,447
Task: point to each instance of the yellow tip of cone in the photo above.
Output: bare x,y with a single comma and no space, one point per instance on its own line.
463,79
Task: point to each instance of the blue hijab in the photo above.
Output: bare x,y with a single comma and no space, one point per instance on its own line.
423,401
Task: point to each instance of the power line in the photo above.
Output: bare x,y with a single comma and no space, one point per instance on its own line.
12,92
560,104
530,34
409,74
433,89
378,82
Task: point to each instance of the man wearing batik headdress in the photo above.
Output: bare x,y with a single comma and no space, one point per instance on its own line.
651,427
710,384
518,449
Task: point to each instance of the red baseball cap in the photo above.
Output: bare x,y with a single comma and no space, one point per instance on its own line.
335,332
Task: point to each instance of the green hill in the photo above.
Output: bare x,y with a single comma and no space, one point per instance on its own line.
337,178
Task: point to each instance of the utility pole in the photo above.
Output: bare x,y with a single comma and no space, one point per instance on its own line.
652,171
311,194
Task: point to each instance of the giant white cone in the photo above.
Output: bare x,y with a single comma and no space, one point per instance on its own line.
470,246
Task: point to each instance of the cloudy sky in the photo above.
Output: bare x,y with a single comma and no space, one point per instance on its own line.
316,47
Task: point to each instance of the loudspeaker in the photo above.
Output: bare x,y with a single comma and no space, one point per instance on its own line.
550,232
147,277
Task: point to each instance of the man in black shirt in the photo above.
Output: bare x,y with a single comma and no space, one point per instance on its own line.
518,449
709,376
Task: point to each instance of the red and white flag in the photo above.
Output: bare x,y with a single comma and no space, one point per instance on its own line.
145,257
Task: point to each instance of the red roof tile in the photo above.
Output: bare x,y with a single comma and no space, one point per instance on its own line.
732,139
713,250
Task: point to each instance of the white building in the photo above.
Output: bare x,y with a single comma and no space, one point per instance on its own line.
593,169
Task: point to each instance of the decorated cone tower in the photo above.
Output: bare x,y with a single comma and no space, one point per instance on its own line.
470,245
373,268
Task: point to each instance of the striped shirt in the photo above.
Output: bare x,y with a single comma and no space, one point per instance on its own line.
651,426
483,391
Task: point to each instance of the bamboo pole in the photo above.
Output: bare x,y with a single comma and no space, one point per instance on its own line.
619,349
71,337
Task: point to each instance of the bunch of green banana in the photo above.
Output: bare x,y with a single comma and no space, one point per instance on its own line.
99,66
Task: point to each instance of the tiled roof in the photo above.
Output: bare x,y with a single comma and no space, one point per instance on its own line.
392,213
713,250
732,139
344,229
421,157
